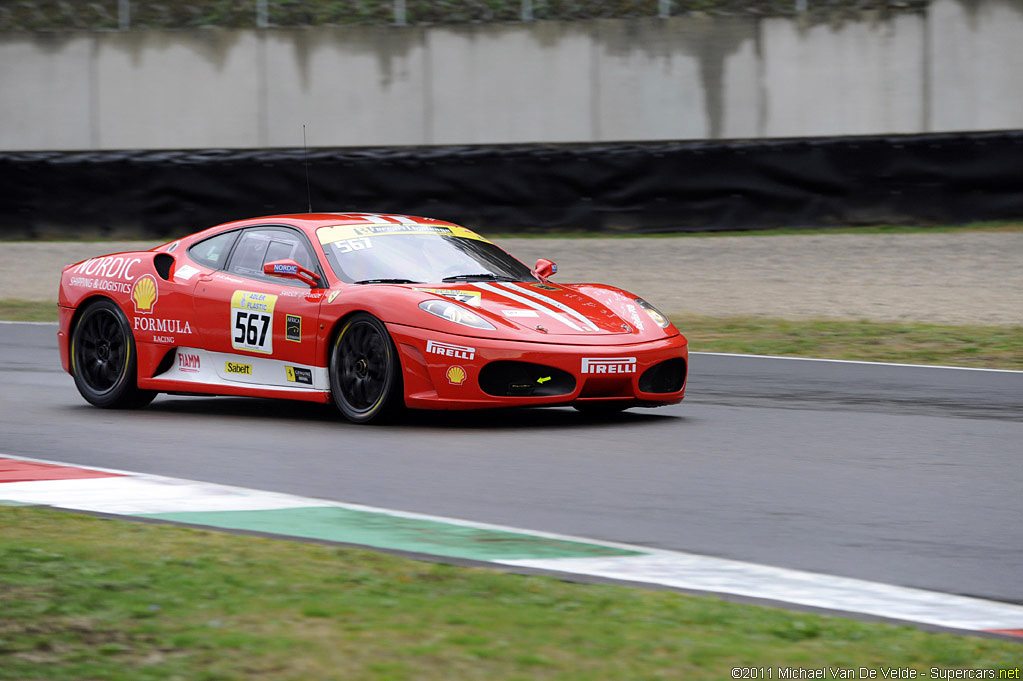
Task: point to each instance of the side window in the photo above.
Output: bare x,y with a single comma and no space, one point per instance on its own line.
213,252
256,247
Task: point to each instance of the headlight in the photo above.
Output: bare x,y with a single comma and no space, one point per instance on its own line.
456,313
654,313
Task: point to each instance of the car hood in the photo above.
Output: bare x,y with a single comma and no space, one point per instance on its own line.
550,309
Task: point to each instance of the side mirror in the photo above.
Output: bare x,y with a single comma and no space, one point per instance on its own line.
544,270
289,269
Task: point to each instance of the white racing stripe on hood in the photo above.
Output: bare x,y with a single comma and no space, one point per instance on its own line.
587,324
528,303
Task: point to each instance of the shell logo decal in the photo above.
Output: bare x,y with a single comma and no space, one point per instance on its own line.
455,375
144,294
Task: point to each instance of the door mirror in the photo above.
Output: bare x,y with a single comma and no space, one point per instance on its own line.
544,270
289,269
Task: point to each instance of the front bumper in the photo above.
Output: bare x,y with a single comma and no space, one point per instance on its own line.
444,371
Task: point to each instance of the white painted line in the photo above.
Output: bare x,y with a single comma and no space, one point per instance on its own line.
142,493
854,361
703,573
133,495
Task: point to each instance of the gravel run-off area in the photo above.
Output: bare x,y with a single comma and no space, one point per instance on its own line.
973,277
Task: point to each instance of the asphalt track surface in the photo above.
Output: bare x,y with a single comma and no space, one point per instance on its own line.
903,475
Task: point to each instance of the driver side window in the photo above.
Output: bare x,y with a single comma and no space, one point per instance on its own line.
262,245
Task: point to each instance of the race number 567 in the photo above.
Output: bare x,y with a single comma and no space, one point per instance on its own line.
252,331
252,321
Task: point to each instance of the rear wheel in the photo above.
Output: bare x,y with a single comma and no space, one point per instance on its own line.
103,359
365,373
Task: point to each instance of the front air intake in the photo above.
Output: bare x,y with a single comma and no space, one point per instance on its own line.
666,377
524,379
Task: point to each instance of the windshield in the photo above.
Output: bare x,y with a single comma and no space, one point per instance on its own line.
388,253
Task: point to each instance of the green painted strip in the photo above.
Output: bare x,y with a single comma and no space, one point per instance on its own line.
380,530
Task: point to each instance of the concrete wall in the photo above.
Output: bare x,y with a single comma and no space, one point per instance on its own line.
959,66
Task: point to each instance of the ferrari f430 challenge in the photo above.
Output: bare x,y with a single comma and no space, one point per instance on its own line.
371,312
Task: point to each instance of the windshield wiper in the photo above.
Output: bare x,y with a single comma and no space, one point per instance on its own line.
485,276
388,281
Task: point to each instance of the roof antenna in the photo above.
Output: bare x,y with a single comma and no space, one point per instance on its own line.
305,160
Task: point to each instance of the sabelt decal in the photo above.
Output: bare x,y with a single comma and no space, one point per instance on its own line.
237,368
189,362
252,317
145,294
470,298
450,350
293,328
455,375
298,375
609,365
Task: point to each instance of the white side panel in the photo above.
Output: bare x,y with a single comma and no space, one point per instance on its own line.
220,368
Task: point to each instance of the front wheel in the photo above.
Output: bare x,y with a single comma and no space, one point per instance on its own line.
365,373
103,359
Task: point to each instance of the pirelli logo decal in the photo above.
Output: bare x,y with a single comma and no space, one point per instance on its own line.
609,365
450,350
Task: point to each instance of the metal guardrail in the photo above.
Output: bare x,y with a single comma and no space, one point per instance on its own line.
57,15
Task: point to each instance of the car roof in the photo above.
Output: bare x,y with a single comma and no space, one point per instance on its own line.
312,221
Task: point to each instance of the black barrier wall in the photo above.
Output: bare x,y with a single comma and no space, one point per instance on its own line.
640,187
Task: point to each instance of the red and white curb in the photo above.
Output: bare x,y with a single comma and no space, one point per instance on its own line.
31,481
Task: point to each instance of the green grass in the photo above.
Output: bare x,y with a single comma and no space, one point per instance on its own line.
999,347
28,310
90,598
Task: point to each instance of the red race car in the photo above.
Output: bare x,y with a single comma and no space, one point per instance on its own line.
373,312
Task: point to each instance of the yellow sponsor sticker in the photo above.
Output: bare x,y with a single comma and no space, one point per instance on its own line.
253,301
237,368
335,233
455,375
144,294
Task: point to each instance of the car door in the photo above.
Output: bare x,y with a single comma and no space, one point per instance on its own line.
257,328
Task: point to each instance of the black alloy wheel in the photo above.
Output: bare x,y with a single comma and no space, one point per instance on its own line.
103,360
365,373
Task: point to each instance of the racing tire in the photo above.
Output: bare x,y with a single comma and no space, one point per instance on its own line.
104,361
365,372
601,408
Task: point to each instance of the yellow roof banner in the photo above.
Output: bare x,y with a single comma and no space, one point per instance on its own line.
335,233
